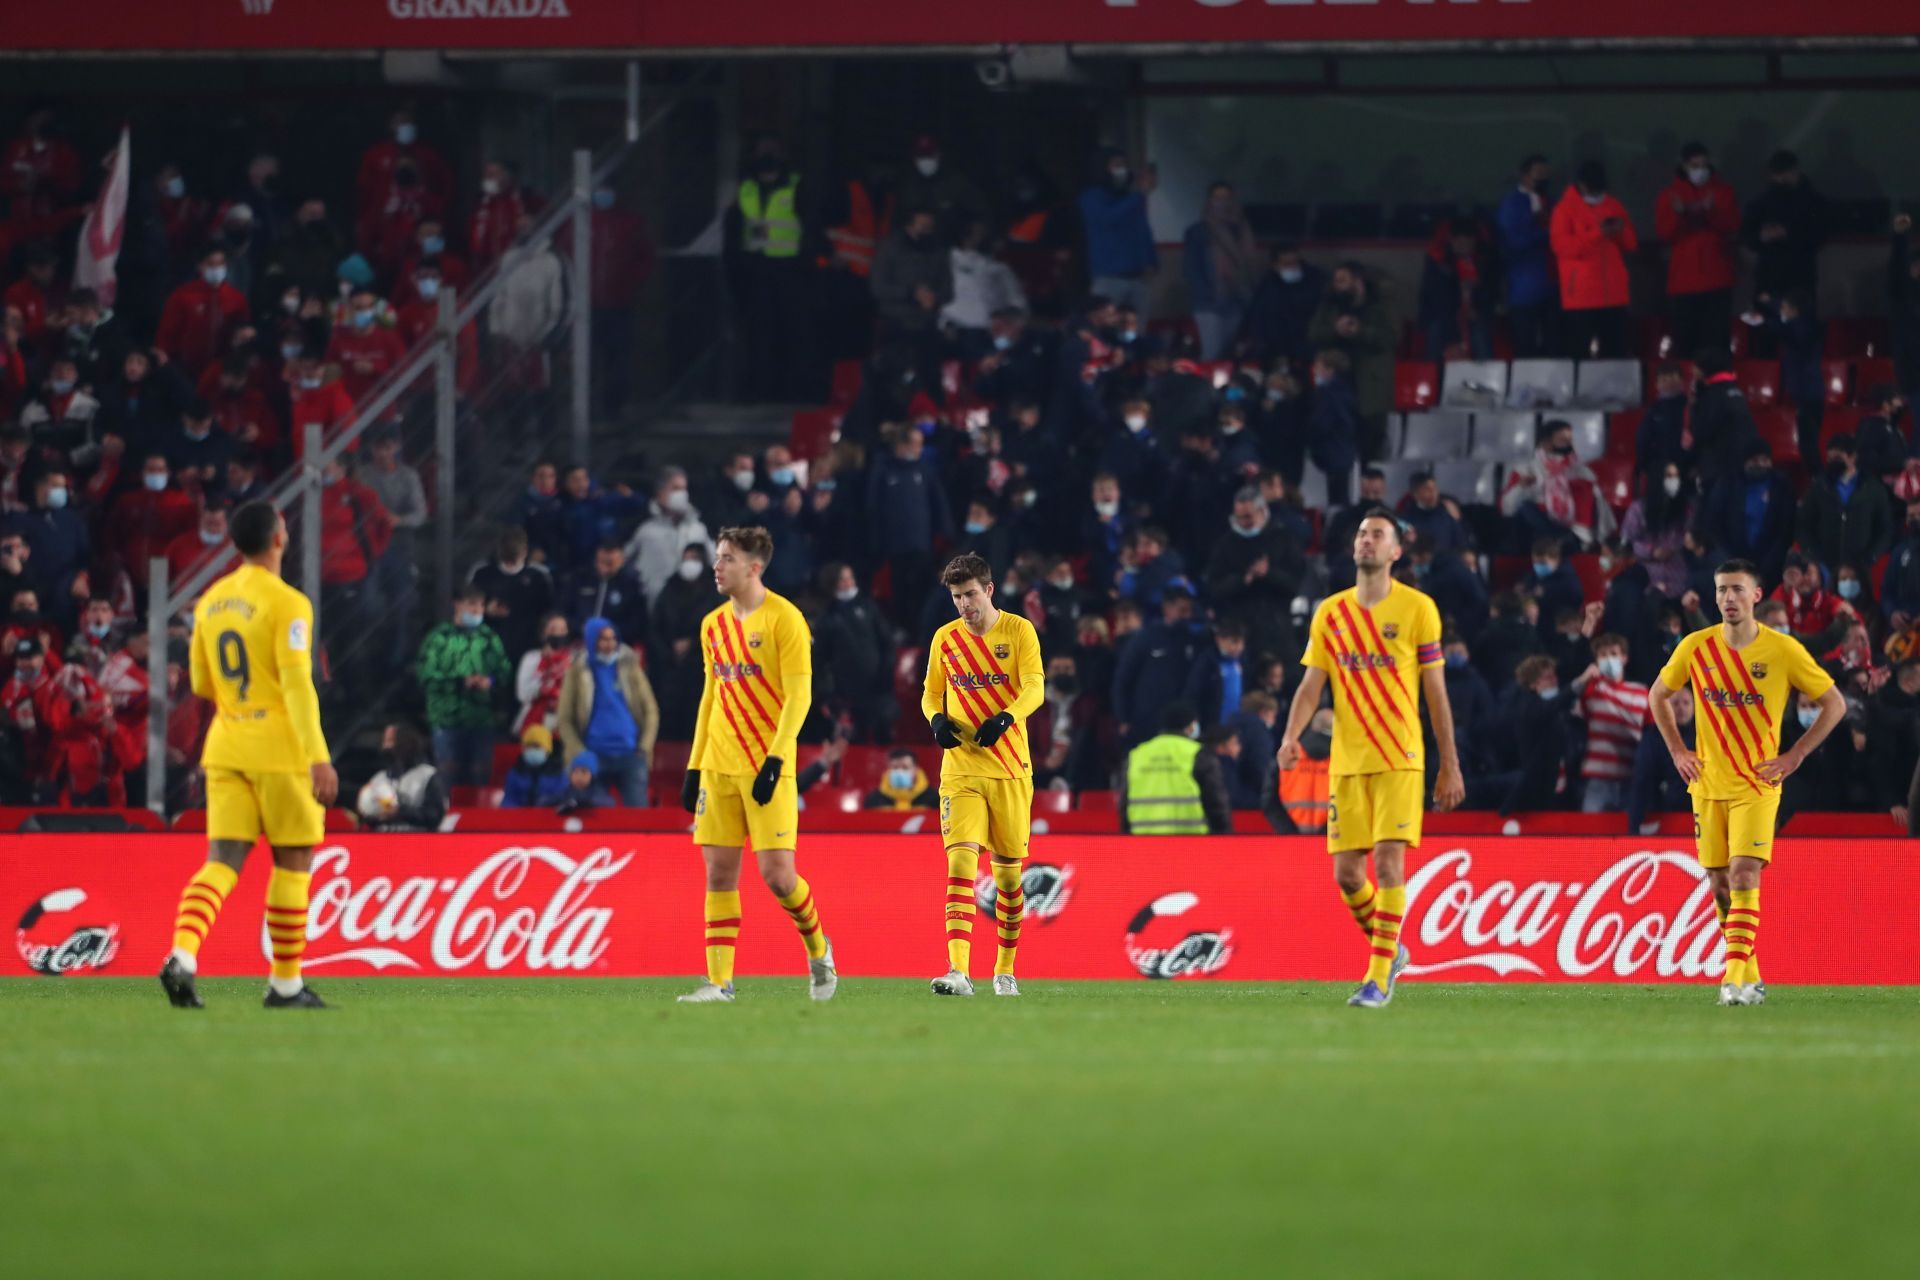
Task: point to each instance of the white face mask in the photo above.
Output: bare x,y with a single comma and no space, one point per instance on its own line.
690,569
743,480
428,289
847,595
1672,485
1136,422
310,383
212,539
154,480
677,501
176,187
1292,275
1231,428
215,276
1106,510
1592,199
404,134
490,186
1698,174
1613,668
57,497
927,165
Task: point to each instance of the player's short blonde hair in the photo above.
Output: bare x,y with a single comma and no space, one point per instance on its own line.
750,540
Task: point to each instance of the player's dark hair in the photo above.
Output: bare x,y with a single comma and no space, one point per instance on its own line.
1747,567
252,528
1229,629
1378,512
963,569
751,541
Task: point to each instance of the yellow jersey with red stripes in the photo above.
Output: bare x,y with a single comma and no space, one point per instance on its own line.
1739,700
759,687
252,657
1373,658
974,678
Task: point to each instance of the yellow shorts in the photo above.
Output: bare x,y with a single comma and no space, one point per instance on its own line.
242,805
727,816
994,813
1726,829
1366,808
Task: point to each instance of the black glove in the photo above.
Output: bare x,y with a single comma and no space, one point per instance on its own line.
991,729
690,790
767,779
944,733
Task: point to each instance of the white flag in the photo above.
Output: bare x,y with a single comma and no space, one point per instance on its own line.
106,224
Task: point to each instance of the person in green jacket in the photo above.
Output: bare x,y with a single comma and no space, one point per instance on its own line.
460,663
1354,318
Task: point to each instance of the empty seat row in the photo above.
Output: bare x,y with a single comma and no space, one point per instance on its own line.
1495,436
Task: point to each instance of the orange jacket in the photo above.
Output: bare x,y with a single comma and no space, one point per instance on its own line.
1305,791
1593,264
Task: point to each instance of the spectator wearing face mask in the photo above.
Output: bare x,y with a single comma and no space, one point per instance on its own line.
1556,496
1721,422
1697,216
529,306
1537,727
519,593
607,707
1655,527
198,452
538,779
200,317
1879,440
853,657
1845,515
56,534
1663,437
60,415
1474,714
541,671
430,245
190,549
930,181
1785,225
1569,644
1354,320
408,793
903,786
541,512
607,587
491,230
242,408
1121,257
35,294
304,260
317,397
398,176
146,520
672,526
1750,514
1554,585
27,677
1304,789
1282,307
460,662
1526,251
1221,264
1592,235
365,350
1615,709
593,516
1434,519
41,173
1217,678
1151,671
983,287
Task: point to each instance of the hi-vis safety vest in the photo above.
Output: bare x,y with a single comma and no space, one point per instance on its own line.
854,240
772,228
1162,797
1304,793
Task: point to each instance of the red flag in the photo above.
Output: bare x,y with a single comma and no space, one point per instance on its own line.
106,224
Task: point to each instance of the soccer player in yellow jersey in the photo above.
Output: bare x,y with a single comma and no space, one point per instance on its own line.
739,786
266,760
1740,672
983,680
1378,644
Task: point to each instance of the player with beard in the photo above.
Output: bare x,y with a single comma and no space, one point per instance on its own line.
1740,672
740,783
984,679
1378,644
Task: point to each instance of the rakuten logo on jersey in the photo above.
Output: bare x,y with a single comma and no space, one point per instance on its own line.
1647,915
521,907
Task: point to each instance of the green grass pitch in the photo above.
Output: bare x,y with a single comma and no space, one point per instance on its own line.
594,1128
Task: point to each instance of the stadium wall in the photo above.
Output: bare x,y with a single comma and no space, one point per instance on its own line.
1234,908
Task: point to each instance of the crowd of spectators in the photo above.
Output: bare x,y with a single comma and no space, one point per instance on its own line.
1139,485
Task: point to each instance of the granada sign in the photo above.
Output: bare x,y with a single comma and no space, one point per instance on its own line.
1237,908
667,25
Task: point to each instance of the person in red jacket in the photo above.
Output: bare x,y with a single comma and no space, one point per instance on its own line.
200,317
316,396
1698,216
1592,236
33,293
182,215
20,708
365,350
623,259
400,150
430,243
146,520
502,205
189,549
80,732
241,405
354,530
418,317
40,174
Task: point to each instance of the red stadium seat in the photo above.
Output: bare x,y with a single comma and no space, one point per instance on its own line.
1870,374
846,381
1416,384
1052,801
1841,420
1837,376
1850,337
1623,432
825,799
1760,382
909,674
1593,579
814,432
1098,802
1616,481
504,754
1780,428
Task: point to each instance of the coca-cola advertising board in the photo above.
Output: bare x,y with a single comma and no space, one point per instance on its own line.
1246,908
644,25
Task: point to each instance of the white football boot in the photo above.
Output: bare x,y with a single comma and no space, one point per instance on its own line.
1005,984
825,979
953,983
707,993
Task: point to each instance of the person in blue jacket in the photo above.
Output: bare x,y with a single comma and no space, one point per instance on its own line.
1121,257
1533,291
537,780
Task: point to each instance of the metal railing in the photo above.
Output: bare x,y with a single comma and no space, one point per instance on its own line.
437,355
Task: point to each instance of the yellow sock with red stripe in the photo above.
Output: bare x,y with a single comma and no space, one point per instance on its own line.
1388,911
963,865
723,930
1009,908
1743,935
1360,902
1753,959
200,905
806,918
287,926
